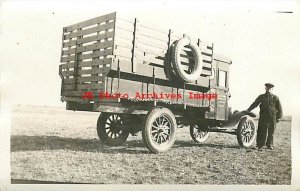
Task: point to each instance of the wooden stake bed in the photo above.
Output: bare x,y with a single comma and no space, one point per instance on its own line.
117,55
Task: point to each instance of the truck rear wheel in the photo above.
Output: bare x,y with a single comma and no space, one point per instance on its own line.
110,129
160,130
198,134
246,132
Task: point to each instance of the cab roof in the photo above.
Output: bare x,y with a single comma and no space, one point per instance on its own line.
221,58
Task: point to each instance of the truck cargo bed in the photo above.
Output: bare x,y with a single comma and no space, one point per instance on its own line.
115,54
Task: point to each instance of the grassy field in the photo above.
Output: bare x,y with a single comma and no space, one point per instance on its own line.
52,145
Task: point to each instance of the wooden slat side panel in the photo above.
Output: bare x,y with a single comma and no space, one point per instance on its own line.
90,22
112,40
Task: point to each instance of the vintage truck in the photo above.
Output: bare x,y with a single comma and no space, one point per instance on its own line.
142,78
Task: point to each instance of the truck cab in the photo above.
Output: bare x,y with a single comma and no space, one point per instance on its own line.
219,84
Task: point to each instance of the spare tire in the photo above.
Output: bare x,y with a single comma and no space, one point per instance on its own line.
176,57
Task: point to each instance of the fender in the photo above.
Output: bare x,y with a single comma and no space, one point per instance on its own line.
235,118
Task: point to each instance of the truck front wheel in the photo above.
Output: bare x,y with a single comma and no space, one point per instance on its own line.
110,129
246,132
160,130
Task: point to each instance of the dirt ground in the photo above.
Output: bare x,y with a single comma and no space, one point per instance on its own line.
52,145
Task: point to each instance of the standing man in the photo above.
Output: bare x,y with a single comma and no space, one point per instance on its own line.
270,114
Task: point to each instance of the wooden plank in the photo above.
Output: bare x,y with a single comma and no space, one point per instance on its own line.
80,93
151,50
123,52
189,55
90,30
152,42
149,58
68,87
67,73
93,71
68,58
207,65
87,63
124,18
155,28
98,45
63,98
124,25
206,50
67,65
147,70
206,73
90,78
206,54
125,43
152,33
123,34
208,44
87,56
124,64
89,39
68,81
90,22
96,86
97,62
72,93
187,61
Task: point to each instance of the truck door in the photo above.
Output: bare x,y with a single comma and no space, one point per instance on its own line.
222,90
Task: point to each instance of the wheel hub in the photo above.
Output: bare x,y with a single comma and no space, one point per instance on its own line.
160,130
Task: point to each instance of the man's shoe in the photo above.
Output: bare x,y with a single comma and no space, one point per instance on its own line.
271,147
259,148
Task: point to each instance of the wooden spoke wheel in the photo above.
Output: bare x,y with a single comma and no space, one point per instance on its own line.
110,129
159,131
246,132
198,134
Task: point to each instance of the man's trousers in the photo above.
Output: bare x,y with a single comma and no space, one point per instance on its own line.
265,132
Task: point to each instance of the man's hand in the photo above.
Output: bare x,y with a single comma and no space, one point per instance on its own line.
277,120
245,111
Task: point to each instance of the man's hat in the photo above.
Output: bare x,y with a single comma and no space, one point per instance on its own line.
269,85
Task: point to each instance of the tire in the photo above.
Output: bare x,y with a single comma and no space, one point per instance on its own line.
110,130
198,134
179,70
246,132
160,130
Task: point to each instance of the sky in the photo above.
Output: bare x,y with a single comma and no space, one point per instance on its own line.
262,42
